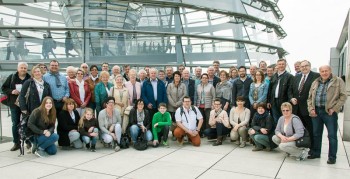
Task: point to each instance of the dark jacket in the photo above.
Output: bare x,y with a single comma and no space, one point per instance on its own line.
284,91
216,80
93,122
304,94
66,124
191,89
147,122
148,96
266,123
241,88
10,85
36,124
33,98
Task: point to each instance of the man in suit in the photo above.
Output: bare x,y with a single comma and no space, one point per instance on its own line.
301,87
153,92
190,84
279,89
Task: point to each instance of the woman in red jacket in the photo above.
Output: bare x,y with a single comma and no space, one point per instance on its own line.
79,91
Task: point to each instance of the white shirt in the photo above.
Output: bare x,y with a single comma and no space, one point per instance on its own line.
278,84
188,118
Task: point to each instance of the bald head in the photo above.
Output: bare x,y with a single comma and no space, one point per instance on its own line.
325,72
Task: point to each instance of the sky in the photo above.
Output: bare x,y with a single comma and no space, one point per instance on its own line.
312,27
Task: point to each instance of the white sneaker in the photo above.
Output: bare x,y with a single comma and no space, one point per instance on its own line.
303,155
117,148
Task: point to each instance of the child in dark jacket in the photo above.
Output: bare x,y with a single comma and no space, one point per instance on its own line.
88,128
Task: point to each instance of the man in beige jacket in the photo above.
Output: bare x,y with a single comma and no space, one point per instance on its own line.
327,95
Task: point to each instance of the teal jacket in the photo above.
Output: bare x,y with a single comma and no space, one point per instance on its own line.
162,120
101,94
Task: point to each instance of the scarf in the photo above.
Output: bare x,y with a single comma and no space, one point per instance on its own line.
81,90
261,116
57,78
40,87
218,112
93,78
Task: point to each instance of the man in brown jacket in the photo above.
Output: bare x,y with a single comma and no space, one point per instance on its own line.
327,95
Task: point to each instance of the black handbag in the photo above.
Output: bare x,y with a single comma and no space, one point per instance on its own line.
124,142
141,143
304,141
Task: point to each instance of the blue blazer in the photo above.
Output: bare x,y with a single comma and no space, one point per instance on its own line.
148,96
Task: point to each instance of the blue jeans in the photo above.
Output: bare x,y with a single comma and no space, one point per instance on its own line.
15,117
276,113
87,139
261,140
220,130
48,143
331,122
136,130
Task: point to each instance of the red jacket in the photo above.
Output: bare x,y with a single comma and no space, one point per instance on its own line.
74,92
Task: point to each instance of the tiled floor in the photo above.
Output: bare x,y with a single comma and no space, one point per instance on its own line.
206,161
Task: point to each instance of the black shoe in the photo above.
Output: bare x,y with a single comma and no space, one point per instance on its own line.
15,147
88,146
66,148
313,157
29,145
331,161
93,148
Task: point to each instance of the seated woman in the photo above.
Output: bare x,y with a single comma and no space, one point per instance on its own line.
42,124
239,119
161,123
140,121
109,121
219,123
260,132
289,128
67,127
88,128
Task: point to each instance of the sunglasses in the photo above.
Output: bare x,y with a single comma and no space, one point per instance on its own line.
285,110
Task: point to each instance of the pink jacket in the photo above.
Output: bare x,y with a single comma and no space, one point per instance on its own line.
129,86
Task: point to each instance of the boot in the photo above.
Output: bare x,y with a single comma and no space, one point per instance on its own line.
93,148
87,146
15,147
218,141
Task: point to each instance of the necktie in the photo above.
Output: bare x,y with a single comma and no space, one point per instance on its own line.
302,84
134,96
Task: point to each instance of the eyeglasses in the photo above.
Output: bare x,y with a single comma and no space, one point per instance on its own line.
110,102
217,104
84,67
187,101
304,66
285,110
79,74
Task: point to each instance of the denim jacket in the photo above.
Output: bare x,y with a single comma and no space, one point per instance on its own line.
262,93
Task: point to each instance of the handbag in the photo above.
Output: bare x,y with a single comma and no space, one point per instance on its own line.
26,96
141,143
5,100
304,141
124,141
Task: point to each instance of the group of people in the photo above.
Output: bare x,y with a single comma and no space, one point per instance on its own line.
269,107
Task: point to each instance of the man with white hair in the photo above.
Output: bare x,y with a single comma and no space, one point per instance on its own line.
12,88
115,72
212,78
85,68
153,92
190,84
326,97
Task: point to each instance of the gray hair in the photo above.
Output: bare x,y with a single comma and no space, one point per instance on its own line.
71,68
22,63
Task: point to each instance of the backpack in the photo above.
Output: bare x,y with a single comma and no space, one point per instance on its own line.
124,141
192,107
141,143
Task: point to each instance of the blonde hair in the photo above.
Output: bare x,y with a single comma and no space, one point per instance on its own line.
286,105
104,73
83,118
34,68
